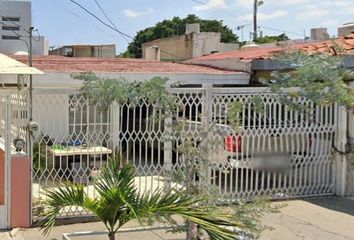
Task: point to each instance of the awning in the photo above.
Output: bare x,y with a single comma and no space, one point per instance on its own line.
9,66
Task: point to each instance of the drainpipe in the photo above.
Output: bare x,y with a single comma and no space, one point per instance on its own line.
31,80
29,145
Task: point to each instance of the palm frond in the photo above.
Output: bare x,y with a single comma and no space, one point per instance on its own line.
59,198
120,202
219,226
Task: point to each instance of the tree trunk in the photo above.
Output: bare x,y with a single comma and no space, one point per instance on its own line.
112,236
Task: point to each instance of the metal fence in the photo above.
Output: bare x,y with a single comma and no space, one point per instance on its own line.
276,152
13,125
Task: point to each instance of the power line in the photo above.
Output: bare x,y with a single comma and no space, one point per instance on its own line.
112,23
243,20
84,20
117,30
99,19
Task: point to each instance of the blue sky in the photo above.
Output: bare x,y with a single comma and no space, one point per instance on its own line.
64,23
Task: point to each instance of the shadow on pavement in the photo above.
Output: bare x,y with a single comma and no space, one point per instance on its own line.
338,204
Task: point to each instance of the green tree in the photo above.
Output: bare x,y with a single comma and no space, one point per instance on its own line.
175,27
320,78
272,39
120,202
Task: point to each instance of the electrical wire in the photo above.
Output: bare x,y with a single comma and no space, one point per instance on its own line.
245,21
84,20
109,19
99,19
117,30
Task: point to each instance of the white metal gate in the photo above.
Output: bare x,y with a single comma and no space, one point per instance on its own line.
75,139
282,152
13,119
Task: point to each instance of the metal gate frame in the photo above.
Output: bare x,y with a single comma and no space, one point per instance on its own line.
13,122
126,132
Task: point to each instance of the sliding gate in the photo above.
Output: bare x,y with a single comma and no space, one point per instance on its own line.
270,150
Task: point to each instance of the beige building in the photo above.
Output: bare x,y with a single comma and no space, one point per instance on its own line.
346,29
98,51
190,45
319,34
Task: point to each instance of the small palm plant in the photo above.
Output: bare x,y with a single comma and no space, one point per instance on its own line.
119,201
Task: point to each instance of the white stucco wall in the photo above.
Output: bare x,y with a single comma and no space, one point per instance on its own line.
64,80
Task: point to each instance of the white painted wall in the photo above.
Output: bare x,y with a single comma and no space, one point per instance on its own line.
64,80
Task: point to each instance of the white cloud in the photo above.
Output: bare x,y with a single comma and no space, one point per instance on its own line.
349,10
338,3
330,23
312,13
133,14
244,3
249,3
218,4
266,16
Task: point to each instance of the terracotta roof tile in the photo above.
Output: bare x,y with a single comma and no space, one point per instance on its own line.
72,65
347,44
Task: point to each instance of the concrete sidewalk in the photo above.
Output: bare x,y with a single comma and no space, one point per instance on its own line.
324,218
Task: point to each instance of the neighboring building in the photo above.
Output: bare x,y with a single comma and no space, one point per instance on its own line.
81,50
59,71
346,29
319,34
258,60
15,21
190,45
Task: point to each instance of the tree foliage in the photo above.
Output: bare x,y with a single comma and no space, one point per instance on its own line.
120,201
272,39
176,27
318,77
102,92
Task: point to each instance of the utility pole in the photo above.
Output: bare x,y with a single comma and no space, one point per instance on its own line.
256,4
255,8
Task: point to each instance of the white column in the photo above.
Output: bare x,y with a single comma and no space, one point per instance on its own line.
167,145
115,118
351,122
340,156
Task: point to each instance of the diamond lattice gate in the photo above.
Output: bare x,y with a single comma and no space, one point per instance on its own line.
275,151
270,150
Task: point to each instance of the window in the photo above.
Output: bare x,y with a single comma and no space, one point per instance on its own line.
68,52
11,28
7,37
11,19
